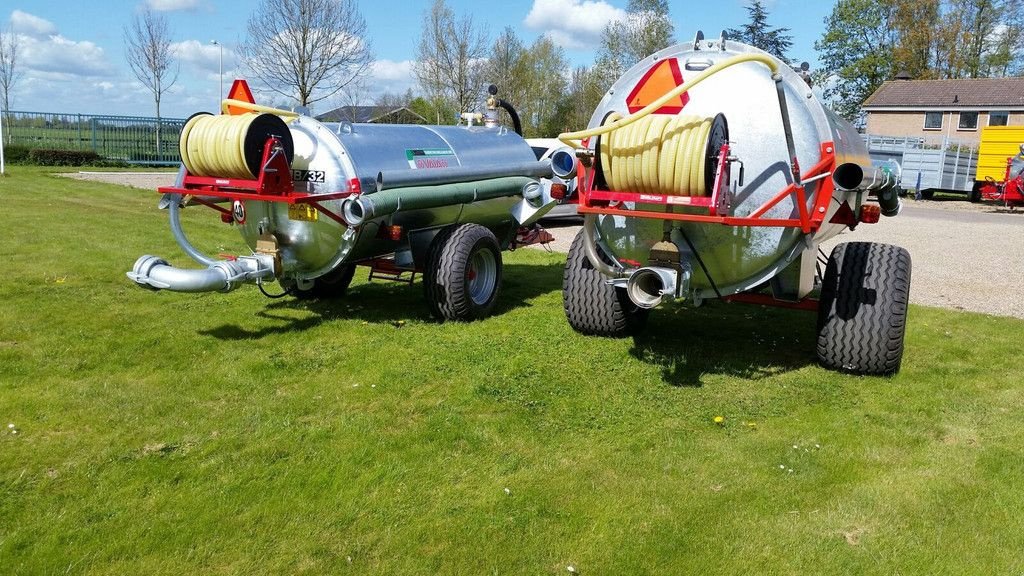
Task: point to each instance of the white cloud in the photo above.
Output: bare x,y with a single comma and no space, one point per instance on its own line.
61,55
574,24
172,5
31,25
391,76
389,70
205,56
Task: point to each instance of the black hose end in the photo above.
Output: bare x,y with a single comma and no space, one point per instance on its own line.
517,125
719,136
263,127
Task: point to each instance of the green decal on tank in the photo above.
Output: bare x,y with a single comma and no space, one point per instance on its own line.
430,158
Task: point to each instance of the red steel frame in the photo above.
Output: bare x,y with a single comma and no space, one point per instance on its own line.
1010,191
597,201
274,184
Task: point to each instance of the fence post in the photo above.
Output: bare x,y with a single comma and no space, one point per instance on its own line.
92,126
79,147
956,168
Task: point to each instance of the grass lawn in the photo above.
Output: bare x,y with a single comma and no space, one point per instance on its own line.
160,433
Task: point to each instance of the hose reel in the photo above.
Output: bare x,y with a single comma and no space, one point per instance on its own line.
659,154
231,146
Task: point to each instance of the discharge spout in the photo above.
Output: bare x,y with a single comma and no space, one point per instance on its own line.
877,179
648,286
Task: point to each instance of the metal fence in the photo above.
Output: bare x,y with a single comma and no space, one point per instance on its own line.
938,163
131,139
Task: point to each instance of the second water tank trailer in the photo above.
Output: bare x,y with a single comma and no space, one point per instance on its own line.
714,172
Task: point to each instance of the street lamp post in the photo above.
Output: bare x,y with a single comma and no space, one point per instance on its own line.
220,68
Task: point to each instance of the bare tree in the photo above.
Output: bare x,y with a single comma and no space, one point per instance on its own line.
348,99
147,42
450,57
503,63
9,73
307,49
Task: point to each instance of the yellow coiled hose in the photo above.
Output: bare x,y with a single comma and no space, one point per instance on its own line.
659,154
214,145
231,146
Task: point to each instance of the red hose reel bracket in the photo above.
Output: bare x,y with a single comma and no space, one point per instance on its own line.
273,184
594,200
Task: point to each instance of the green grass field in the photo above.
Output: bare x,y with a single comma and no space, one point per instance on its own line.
159,433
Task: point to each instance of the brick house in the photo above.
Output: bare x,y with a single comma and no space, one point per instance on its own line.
937,109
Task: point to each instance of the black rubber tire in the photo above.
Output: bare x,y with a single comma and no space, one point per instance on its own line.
452,263
975,193
334,284
862,314
593,306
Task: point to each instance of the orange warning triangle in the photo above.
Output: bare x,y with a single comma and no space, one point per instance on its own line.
658,81
240,91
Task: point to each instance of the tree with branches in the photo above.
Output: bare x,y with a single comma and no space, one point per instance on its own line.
646,29
9,72
450,58
147,43
856,52
308,50
758,34
867,42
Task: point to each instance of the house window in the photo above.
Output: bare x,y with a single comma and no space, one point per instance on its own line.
968,121
933,120
998,118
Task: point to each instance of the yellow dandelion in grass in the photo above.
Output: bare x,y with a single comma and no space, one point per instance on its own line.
720,420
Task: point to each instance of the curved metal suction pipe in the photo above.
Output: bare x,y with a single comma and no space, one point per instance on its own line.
648,286
853,176
221,276
590,249
174,209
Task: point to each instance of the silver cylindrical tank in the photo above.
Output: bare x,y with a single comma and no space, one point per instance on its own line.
332,157
738,258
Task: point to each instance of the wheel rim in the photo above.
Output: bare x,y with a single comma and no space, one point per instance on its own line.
481,276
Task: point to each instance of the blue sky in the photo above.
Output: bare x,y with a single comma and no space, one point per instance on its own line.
73,61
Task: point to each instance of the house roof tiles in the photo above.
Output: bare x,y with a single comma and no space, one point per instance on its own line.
949,94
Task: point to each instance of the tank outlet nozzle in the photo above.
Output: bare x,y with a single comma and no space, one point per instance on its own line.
563,164
882,180
649,286
155,273
354,212
537,201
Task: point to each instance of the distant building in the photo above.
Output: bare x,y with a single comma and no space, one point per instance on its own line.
937,109
372,115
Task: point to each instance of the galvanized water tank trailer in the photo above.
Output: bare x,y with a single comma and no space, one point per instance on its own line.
313,199
725,187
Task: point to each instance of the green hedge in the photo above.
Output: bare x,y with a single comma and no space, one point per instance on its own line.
42,157
15,154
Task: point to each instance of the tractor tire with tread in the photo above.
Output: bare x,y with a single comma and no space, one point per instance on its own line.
592,306
862,313
462,279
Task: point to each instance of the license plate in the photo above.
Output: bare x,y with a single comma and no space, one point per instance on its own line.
303,212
